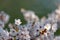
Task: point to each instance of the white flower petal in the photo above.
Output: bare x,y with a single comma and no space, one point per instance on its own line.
47,26
17,21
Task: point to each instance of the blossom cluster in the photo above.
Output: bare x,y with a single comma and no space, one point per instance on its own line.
34,29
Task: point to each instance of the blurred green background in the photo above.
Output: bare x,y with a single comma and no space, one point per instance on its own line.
40,7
